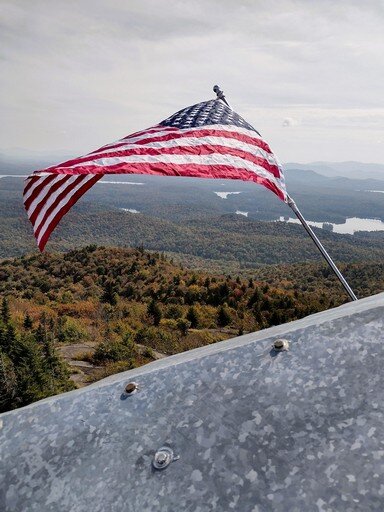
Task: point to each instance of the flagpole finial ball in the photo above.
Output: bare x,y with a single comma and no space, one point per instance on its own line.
219,93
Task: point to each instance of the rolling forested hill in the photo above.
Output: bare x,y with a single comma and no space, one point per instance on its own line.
187,217
229,238
210,275
114,309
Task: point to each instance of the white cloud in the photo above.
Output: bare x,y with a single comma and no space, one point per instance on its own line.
77,74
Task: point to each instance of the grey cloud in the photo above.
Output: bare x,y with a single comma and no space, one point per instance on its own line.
100,69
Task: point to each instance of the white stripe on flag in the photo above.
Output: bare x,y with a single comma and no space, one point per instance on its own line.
185,142
51,198
46,192
212,159
37,183
61,205
162,130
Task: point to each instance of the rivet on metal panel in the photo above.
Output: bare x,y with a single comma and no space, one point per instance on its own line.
280,344
131,388
163,457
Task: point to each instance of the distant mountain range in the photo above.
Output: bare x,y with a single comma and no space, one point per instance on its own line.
321,198
22,161
25,162
352,170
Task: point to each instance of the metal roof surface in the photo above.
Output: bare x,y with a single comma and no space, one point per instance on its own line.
253,430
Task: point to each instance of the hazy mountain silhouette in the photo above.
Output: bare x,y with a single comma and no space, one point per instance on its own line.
353,170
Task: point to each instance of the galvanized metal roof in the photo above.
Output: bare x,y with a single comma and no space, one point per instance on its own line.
252,429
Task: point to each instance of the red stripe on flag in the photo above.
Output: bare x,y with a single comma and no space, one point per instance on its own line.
188,170
31,180
210,133
203,150
124,140
155,128
200,134
45,180
49,193
71,201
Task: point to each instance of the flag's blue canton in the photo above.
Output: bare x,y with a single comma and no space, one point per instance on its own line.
206,113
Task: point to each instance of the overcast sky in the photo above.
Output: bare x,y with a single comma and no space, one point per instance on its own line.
308,74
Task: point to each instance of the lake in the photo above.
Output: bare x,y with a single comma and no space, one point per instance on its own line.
224,195
13,176
351,225
108,182
130,210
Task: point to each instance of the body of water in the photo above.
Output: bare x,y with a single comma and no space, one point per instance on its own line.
351,225
224,195
120,182
130,210
13,176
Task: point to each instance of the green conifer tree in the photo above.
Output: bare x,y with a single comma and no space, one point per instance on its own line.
27,324
154,311
8,383
223,316
109,294
193,317
5,315
9,341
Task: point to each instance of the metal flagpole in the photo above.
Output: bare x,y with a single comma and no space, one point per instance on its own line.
292,204
319,245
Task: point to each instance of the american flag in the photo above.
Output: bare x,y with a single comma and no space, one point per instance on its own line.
206,140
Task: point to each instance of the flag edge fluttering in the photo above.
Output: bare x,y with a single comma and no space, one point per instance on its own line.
210,150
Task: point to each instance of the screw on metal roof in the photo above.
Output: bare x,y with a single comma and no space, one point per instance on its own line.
163,457
131,388
280,344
